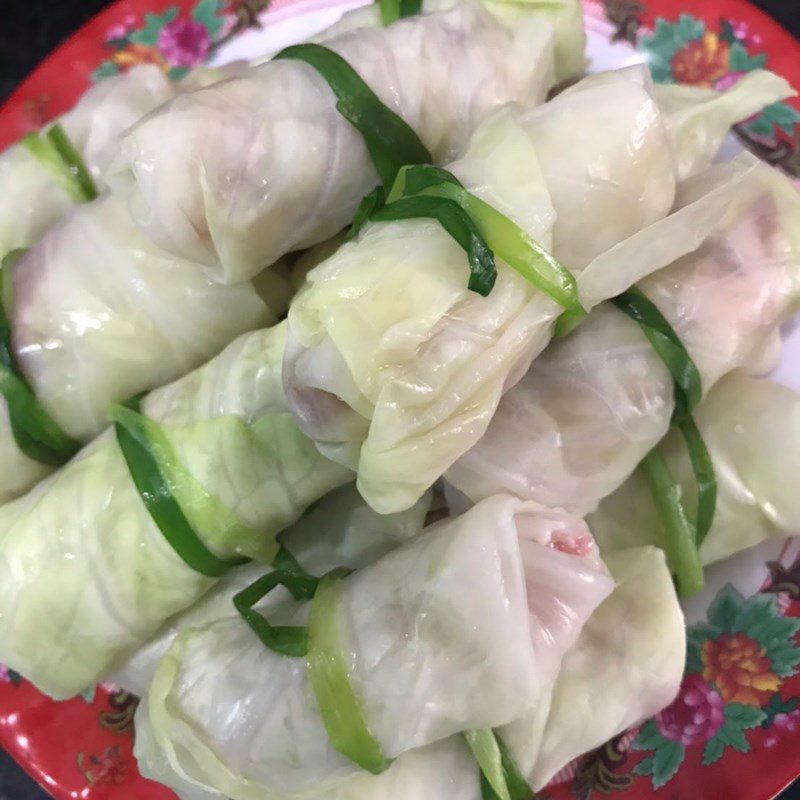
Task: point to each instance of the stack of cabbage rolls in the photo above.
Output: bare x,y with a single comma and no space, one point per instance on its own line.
396,545
100,310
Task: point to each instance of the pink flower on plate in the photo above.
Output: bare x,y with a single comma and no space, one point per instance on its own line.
696,714
121,29
741,30
782,723
184,42
728,80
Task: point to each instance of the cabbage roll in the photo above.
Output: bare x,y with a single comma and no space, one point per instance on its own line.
86,576
566,17
393,366
31,199
339,530
751,428
236,175
429,659
626,666
595,403
98,314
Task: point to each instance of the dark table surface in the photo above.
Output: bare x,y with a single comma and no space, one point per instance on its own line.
30,29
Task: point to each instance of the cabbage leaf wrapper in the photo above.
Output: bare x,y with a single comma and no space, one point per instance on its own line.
429,660
394,368
565,16
340,530
32,200
626,666
238,174
596,402
98,313
699,118
750,426
86,576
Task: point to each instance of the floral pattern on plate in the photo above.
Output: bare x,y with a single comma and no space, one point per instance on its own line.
691,51
734,727
174,40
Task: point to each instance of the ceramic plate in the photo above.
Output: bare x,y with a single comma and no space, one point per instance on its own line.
734,730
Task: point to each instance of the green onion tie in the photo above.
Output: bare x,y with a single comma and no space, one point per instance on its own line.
58,155
501,778
154,491
682,538
338,703
35,432
390,140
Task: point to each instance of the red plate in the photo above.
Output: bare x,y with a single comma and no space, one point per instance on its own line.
734,731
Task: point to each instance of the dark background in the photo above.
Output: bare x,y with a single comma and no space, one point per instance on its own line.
29,29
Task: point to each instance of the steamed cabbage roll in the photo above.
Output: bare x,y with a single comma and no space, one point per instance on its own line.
98,314
595,403
394,367
340,530
86,576
565,16
429,659
237,175
751,427
626,666
31,199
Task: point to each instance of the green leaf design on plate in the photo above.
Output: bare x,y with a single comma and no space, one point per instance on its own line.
206,12
777,705
148,35
106,69
649,738
782,115
738,719
741,717
713,751
760,126
726,31
666,760
740,61
87,695
756,617
644,767
724,612
666,40
695,636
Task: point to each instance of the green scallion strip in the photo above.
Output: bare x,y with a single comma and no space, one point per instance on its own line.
458,223
392,10
667,343
58,155
486,750
704,475
680,537
504,237
500,775
390,141
35,432
287,640
131,431
338,703
688,393
369,204
567,322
